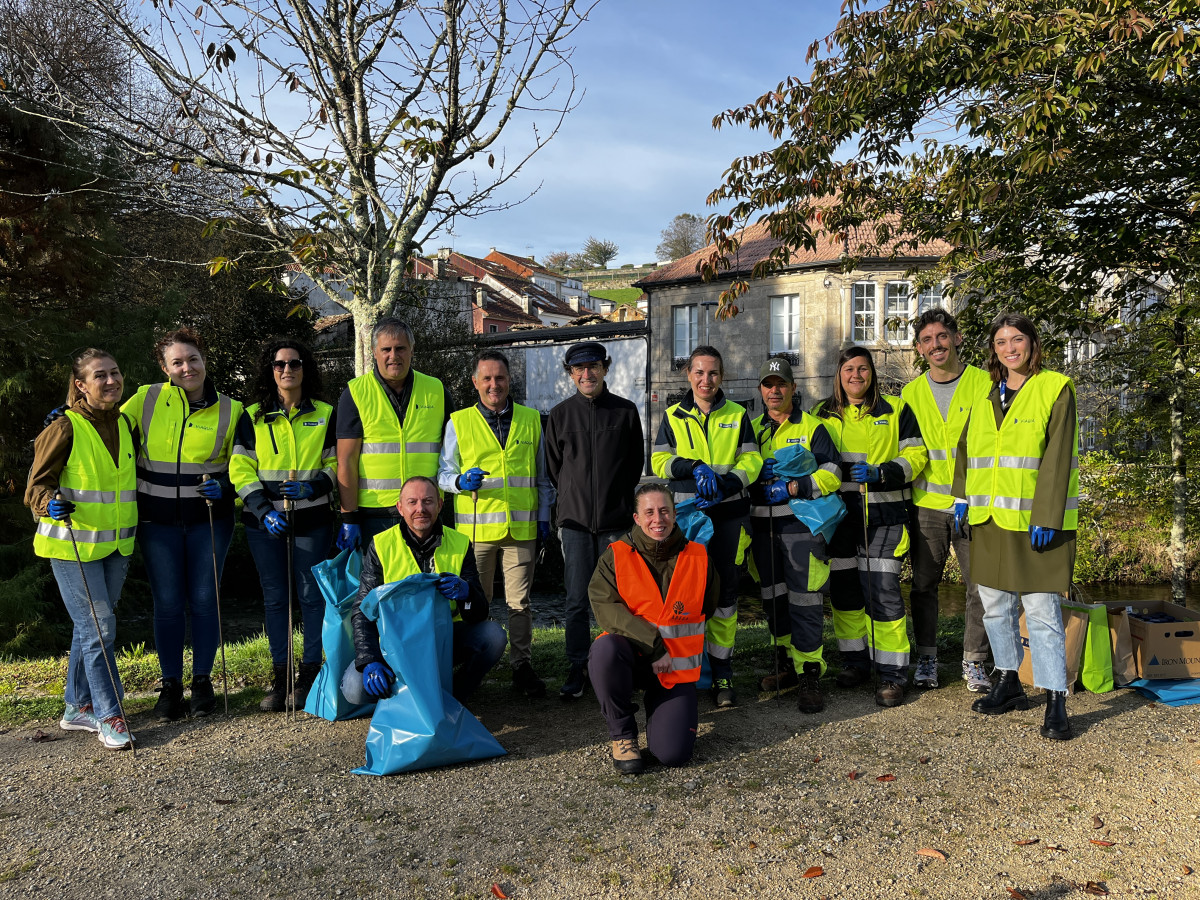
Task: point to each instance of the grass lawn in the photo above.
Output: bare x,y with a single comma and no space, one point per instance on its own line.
618,295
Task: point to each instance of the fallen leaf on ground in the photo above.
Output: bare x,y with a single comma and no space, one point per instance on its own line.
1187,870
923,759
1096,889
814,872
41,737
931,853
853,774
752,846
1097,822
816,759
1028,841
1103,843
499,893
888,777
1015,894
1058,847
223,801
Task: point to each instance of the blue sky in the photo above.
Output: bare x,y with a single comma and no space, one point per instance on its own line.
641,148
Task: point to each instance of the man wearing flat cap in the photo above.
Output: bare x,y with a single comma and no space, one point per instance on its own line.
595,454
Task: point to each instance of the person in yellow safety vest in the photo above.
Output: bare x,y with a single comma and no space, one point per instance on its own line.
389,428
83,489
1018,470
284,453
651,593
880,443
705,447
941,399
187,434
792,562
494,462
420,544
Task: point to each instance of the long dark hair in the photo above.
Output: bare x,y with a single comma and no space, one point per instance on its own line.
836,403
266,394
1023,324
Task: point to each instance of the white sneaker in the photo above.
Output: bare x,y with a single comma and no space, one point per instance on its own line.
926,674
976,676
79,718
114,734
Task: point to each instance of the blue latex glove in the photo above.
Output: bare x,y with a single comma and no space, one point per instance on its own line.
349,536
768,470
471,480
777,492
864,473
709,502
707,483
276,523
1039,537
960,518
60,509
378,679
452,587
57,413
543,531
297,490
210,490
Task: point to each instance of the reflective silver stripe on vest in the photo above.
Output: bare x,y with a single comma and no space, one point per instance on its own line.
249,489
841,563
423,447
148,406
722,468
940,455
184,468
79,496
522,481
62,533
158,490
481,519
242,450
978,499
1012,504
874,497
683,663
224,415
849,457
906,443
1019,462
382,448
906,466
979,462
281,505
491,484
782,511
521,515
687,629
282,474
878,566
380,484
1072,503
924,484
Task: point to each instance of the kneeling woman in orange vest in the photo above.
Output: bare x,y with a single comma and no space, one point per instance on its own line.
651,593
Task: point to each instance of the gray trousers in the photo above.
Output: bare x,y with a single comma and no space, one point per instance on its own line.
931,541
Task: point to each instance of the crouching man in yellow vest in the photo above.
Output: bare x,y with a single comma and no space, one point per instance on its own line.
420,544
652,592
494,462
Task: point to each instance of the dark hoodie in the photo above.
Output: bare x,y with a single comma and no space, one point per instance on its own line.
615,617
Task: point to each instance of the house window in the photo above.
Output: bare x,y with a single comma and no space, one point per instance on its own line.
785,324
492,329
866,313
685,321
898,313
929,298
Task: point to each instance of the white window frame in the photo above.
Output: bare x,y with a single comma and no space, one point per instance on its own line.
897,304
785,324
691,337
864,312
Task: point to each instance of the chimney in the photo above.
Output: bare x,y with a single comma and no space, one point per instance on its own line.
480,296
444,252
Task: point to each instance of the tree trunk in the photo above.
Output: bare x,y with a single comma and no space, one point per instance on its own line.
1178,466
366,315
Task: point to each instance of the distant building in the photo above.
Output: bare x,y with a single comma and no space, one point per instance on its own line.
564,287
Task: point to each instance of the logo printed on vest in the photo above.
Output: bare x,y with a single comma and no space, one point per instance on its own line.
881,422
799,440
727,425
677,608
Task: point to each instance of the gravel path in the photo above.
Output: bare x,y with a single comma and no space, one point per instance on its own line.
253,805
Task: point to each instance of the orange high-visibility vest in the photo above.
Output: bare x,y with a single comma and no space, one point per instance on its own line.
680,618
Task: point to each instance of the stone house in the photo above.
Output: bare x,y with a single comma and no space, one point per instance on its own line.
806,313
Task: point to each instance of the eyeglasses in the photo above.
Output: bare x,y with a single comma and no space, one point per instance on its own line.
280,364
580,368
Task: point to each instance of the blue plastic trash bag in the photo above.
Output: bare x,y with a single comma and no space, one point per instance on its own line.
822,515
694,524
1169,691
419,725
338,580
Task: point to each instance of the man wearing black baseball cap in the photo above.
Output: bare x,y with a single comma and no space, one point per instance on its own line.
595,454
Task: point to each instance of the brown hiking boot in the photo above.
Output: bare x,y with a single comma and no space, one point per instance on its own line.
810,699
787,677
889,693
627,758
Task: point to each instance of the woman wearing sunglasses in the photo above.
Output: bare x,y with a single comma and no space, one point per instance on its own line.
284,454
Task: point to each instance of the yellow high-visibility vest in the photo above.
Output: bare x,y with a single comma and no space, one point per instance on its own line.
715,441
508,499
932,487
786,435
1003,463
104,494
283,444
392,454
398,561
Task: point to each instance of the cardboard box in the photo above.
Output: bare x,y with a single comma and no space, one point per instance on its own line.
1169,650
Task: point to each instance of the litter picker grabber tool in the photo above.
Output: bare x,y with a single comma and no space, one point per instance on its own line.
774,599
112,675
212,540
475,512
862,489
289,702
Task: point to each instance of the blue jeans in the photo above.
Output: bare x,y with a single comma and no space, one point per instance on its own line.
270,557
477,648
88,680
581,550
179,566
1047,638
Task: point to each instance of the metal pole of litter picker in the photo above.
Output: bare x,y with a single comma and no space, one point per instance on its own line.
212,539
862,489
289,700
112,675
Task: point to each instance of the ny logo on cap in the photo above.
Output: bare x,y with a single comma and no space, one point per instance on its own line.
775,365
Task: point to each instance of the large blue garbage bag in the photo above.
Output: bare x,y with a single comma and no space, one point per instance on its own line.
821,515
419,725
1169,691
694,524
338,580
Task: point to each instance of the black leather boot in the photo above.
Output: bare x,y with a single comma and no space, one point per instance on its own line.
170,705
1006,695
1056,727
204,698
275,697
809,698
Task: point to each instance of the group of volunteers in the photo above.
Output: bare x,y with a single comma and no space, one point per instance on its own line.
984,461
